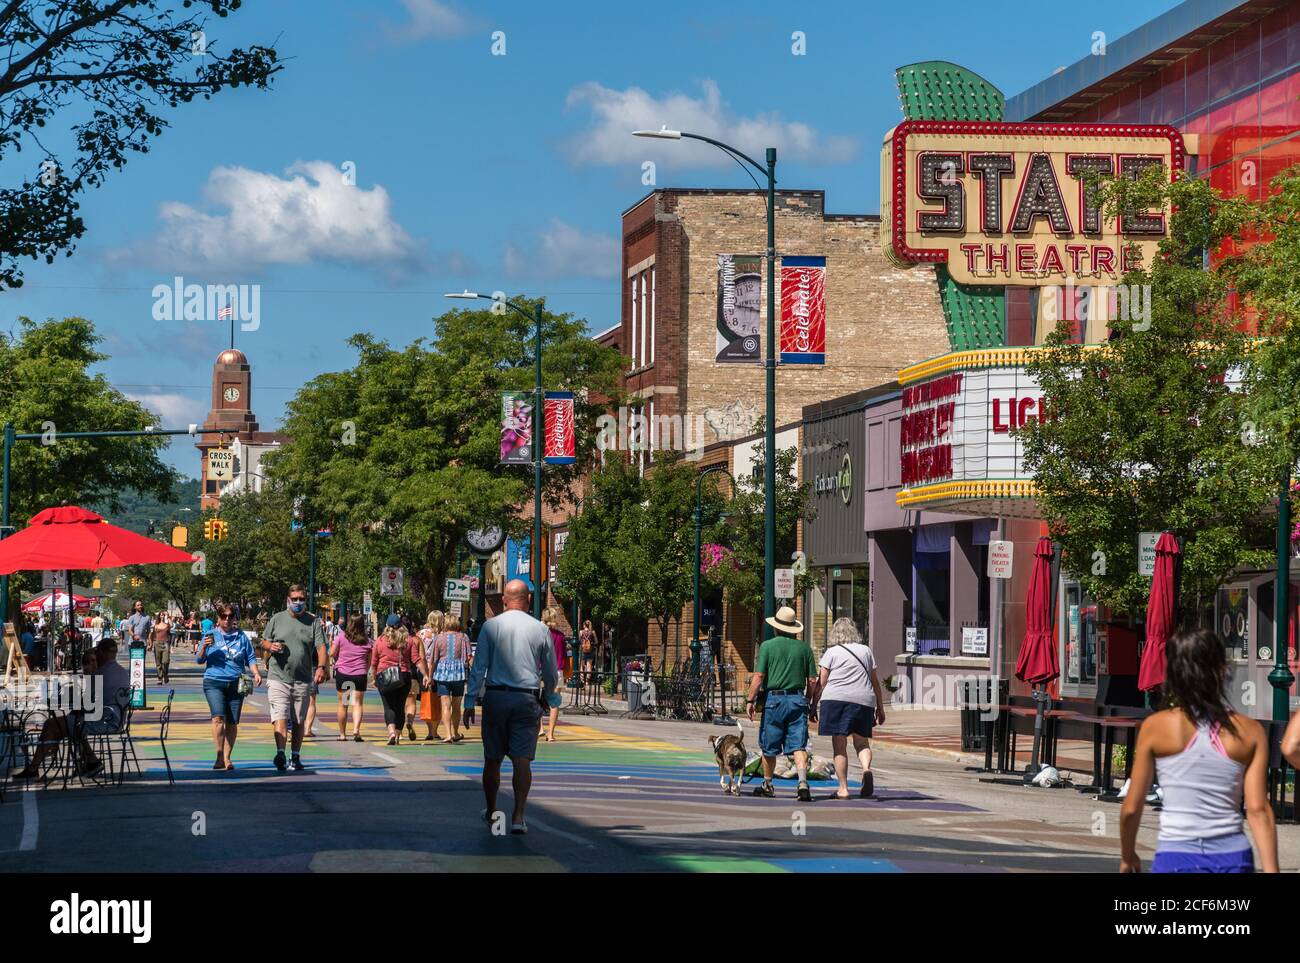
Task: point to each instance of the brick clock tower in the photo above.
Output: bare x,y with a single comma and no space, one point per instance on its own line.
231,415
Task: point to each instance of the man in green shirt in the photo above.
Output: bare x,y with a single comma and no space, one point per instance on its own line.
294,642
787,671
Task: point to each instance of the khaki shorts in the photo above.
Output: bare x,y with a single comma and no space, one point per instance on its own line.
288,698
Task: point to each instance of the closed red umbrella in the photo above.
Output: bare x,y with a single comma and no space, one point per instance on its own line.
1037,663
74,538
1160,613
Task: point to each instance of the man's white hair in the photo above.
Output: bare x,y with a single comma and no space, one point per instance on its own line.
843,631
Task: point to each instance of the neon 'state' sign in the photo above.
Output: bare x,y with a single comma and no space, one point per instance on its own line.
1006,203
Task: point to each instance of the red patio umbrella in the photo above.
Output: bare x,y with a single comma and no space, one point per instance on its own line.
1160,613
49,601
74,538
1037,663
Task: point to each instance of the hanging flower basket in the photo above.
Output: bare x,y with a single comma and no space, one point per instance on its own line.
713,556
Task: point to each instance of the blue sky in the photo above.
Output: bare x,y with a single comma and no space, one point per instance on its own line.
480,170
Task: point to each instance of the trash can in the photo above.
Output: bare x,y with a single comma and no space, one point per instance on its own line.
976,699
634,687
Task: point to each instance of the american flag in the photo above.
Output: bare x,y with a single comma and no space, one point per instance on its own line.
225,313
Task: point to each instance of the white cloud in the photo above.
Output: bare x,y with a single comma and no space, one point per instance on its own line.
175,410
428,19
616,113
564,251
311,214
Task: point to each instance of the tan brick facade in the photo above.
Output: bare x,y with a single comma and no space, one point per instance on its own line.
879,317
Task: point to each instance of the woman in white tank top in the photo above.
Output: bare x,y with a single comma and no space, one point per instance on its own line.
1208,761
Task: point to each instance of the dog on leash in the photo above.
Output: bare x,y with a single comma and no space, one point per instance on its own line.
731,755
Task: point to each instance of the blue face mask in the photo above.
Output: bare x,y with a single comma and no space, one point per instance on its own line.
297,607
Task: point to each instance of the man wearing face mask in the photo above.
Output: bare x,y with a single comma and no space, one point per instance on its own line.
294,641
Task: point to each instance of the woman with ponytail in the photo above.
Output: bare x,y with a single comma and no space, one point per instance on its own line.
1208,760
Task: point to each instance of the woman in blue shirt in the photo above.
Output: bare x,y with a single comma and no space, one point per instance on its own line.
228,654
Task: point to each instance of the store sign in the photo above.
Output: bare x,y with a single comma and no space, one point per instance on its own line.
841,481
960,426
803,310
974,640
1004,203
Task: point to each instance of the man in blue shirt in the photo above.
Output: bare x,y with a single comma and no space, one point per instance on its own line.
138,626
514,667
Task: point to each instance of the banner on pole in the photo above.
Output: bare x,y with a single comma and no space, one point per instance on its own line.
740,307
560,446
516,428
803,310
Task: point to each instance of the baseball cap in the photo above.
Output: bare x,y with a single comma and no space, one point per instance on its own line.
392,620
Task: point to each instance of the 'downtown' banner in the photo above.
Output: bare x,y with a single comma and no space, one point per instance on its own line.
803,310
740,304
516,427
560,446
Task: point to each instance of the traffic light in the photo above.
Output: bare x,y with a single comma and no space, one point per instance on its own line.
207,529
220,528
136,581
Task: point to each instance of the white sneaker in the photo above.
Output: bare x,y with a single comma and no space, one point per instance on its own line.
519,829
1123,790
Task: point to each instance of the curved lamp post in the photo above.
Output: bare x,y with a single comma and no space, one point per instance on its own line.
535,562
769,364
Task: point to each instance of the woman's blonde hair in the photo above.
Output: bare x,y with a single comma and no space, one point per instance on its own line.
396,636
551,617
436,620
451,623
843,631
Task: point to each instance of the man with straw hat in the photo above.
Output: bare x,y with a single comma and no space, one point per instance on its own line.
786,672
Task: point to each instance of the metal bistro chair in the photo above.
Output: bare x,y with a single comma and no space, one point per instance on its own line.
129,756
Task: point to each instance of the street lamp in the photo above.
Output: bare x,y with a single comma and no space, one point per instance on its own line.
536,562
769,364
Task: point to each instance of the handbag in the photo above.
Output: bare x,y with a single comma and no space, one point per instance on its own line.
245,685
389,679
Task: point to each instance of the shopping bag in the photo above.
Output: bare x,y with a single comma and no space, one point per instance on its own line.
430,707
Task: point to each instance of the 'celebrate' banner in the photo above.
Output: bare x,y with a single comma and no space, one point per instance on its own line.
803,310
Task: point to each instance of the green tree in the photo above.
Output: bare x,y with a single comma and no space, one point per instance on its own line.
406,442
590,568
1265,275
260,557
743,533
106,68
48,388
1144,433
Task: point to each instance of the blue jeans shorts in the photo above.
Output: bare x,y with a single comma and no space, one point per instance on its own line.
454,689
224,699
785,725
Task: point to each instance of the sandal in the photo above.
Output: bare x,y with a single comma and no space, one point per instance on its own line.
457,738
343,737
357,738
230,767
219,764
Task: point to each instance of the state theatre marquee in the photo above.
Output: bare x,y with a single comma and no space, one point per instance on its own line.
1003,203
960,452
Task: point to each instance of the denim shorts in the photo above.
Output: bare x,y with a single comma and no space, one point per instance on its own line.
224,700
453,689
509,726
785,725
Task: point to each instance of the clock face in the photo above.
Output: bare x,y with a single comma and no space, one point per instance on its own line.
231,394
485,540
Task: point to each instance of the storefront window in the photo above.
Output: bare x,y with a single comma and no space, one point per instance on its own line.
1232,621
815,630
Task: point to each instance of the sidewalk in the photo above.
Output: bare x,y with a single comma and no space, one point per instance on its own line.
930,732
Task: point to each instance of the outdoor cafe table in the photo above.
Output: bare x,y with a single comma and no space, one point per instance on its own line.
66,704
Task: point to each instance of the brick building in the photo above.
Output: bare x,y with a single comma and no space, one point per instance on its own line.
878,317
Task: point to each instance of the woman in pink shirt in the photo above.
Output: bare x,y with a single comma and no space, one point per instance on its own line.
551,617
397,649
350,653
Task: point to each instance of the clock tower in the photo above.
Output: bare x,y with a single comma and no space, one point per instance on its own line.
231,415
